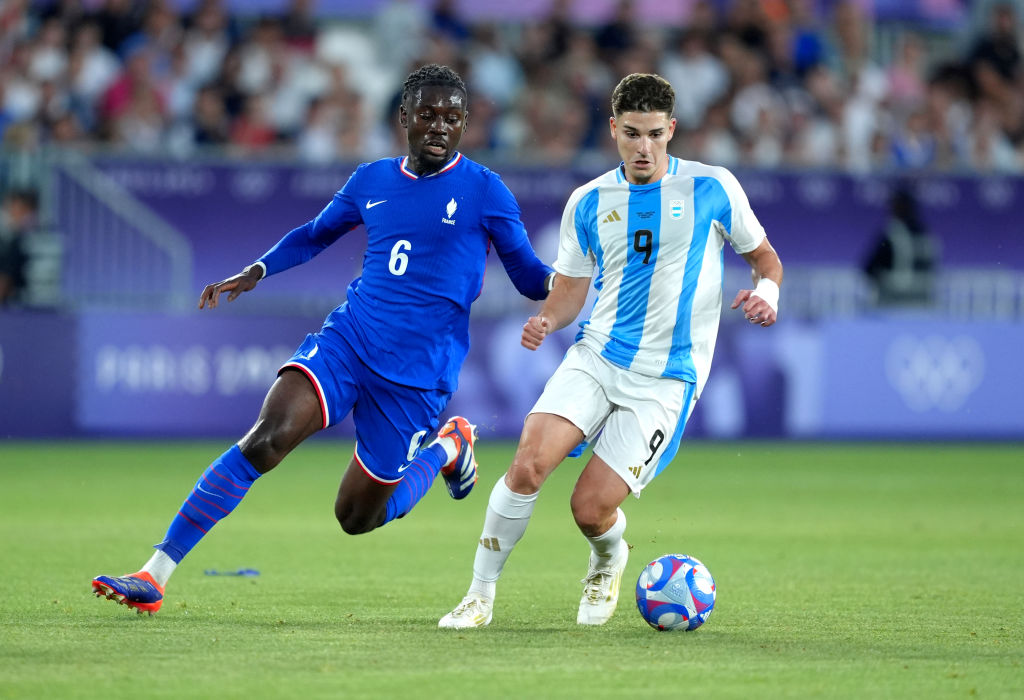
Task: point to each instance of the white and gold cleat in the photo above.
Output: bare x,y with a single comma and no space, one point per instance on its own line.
601,589
473,611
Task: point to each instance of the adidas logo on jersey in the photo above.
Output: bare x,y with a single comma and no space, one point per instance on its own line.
452,206
635,471
611,218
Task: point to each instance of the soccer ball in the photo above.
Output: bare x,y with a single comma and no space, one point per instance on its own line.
675,592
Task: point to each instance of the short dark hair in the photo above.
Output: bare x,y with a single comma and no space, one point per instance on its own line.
643,92
432,74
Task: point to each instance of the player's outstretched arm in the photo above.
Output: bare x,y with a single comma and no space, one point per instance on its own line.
761,304
235,285
563,305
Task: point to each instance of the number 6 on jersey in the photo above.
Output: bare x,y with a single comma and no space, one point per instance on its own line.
399,260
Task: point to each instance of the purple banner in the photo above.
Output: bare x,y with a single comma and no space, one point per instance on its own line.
905,376
37,369
205,374
194,375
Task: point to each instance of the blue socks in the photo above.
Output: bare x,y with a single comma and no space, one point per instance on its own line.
225,482
419,475
221,487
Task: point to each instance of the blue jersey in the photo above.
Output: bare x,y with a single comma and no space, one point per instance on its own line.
407,316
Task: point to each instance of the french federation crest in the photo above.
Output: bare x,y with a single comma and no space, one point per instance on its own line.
452,206
675,208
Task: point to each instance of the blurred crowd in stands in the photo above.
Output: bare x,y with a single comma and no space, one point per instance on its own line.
760,83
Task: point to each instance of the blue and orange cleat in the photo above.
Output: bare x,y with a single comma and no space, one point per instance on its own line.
460,474
137,590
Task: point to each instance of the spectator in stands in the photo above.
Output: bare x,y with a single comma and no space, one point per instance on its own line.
118,20
902,262
400,29
906,76
914,144
987,147
620,33
317,141
131,95
209,125
207,42
494,73
67,131
21,92
445,20
714,141
999,49
92,69
760,62
559,27
252,131
694,65
298,25
49,55
17,220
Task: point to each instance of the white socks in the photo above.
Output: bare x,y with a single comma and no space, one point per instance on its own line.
604,547
160,567
508,514
448,445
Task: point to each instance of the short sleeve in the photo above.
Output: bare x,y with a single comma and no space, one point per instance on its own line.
744,232
575,255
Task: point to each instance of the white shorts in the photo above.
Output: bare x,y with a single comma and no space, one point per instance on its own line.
637,420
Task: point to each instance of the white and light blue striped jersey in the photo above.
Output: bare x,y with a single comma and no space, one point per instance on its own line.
658,250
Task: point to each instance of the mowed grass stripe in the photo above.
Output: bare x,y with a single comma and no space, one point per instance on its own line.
843,570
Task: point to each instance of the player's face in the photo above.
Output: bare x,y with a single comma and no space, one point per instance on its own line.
642,139
434,117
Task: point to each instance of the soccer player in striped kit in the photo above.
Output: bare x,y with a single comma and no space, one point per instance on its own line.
654,228
391,353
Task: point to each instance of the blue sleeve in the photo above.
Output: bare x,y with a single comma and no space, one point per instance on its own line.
303,243
505,228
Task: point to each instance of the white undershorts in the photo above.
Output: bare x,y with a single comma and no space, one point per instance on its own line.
637,420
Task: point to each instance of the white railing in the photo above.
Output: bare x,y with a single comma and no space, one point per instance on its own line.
117,252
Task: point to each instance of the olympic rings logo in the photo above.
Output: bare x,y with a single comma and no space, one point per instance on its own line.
934,372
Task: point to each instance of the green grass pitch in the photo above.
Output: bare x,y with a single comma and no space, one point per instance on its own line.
843,571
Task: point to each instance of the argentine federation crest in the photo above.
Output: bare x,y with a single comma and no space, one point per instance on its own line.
675,208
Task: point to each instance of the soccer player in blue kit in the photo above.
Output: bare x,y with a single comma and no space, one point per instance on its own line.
654,228
391,353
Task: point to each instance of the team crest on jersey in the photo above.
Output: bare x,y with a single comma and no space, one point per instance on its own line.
452,206
675,208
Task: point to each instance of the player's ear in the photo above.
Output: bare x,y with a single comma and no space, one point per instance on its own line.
671,128
403,117
611,126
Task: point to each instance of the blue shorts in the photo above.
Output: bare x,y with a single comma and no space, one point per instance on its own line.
391,419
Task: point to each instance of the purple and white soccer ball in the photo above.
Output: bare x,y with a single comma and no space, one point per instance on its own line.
675,592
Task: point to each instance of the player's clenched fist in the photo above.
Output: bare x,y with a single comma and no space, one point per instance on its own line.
535,330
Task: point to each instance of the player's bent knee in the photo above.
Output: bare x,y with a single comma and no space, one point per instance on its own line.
527,473
353,523
265,446
354,526
590,518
